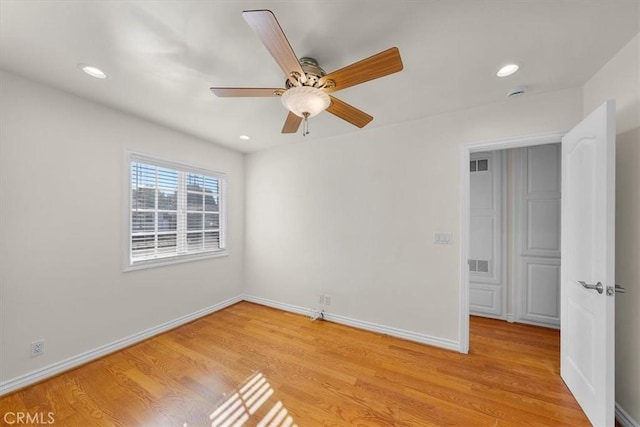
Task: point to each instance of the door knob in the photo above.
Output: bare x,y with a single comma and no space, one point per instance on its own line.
597,286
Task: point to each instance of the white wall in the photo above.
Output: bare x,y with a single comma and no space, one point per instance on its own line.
354,216
619,79
61,197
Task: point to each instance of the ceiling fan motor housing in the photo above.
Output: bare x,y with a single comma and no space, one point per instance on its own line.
313,73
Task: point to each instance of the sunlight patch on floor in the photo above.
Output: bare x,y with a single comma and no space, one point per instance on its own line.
246,402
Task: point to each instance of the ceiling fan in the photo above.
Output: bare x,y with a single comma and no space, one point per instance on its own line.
307,87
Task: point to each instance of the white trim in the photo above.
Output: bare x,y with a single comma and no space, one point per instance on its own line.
624,418
465,154
77,360
536,323
360,324
126,208
488,316
137,156
279,305
394,332
224,213
465,229
515,142
171,260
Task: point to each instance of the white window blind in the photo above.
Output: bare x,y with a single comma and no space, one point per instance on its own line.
177,212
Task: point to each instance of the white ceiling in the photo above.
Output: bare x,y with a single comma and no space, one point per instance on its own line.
162,56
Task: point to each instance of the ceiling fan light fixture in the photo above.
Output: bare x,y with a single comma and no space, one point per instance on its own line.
305,101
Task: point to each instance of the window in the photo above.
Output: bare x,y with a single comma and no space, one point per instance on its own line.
176,212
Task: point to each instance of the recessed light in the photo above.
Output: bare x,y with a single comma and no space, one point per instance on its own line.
245,137
507,70
93,71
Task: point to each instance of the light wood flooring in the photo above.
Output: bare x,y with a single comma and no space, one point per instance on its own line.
256,366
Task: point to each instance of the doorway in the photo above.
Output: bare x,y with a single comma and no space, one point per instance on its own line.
588,268
497,288
514,252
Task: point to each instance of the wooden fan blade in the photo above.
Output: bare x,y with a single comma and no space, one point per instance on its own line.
376,66
266,26
246,91
349,113
292,123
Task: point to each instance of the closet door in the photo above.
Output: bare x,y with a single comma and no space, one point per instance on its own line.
538,296
487,295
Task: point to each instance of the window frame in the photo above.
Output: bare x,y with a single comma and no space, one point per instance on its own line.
135,157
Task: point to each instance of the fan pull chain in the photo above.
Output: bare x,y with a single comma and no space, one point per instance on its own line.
305,125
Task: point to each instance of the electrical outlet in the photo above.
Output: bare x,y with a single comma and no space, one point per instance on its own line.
37,348
321,299
327,300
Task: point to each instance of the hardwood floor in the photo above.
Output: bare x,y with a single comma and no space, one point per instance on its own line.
262,367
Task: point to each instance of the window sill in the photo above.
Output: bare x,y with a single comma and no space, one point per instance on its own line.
161,262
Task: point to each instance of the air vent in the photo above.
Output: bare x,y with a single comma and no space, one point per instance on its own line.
480,165
516,91
479,265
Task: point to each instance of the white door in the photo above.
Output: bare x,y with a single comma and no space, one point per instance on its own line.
587,270
538,241
487,296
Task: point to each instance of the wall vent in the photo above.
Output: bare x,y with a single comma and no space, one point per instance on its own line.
516,91
480,165
479,265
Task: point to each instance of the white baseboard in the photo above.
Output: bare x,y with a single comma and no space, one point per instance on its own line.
534,323
360,324
624,418
512,319
487,315
75,361
279,305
